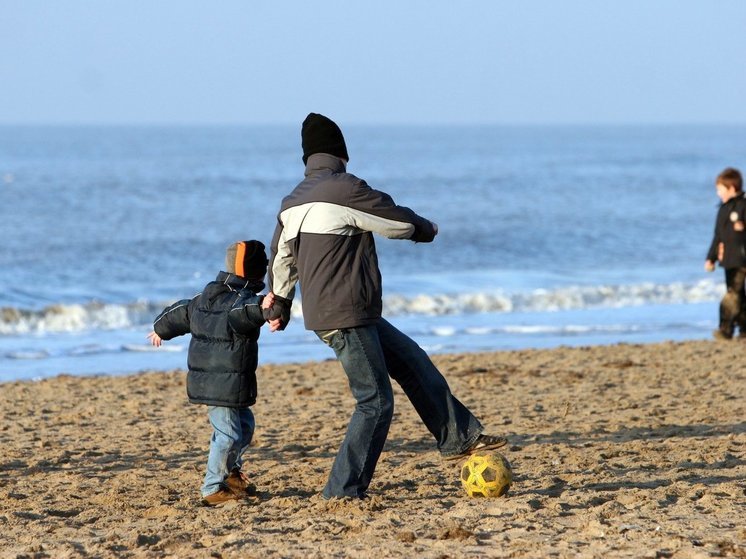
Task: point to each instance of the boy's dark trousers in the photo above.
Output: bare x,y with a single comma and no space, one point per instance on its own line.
733,304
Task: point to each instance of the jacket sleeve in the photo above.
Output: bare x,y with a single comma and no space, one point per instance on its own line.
375,211
246,314
282,270
174,320
712,254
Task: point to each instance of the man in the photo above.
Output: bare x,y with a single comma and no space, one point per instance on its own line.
324,241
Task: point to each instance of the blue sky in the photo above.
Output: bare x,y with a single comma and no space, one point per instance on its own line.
389,61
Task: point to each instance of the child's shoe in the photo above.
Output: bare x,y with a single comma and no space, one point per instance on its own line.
238,482
720,335
219,497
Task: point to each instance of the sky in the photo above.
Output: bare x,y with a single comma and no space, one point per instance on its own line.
241,62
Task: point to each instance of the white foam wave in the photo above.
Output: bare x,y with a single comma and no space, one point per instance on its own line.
150,348
536,329
560,299
105,316
27,354
77,317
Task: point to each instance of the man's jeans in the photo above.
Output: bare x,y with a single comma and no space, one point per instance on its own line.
369,355
233,429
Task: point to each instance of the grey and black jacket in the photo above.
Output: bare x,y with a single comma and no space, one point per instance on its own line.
224,321
730,229
324,241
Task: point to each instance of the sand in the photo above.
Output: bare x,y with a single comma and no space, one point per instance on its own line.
618,451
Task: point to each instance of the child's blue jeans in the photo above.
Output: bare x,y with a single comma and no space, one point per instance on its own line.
233,429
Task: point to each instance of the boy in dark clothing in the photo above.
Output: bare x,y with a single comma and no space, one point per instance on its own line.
729,248
224,322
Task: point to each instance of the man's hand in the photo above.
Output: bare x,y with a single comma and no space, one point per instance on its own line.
155,339
709,266
424,235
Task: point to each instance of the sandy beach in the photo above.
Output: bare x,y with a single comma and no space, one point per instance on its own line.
618,451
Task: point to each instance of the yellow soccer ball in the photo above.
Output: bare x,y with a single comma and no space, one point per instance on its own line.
486,475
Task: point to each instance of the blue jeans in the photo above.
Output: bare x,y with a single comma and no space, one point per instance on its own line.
233,429
370,355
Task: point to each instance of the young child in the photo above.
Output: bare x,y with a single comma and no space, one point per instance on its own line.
224,321
729,248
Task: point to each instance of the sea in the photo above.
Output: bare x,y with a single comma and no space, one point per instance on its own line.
549,235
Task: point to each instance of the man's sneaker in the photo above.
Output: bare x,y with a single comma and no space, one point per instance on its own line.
239,483
219,497
482,444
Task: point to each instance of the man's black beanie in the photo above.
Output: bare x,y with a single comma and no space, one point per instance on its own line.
321,135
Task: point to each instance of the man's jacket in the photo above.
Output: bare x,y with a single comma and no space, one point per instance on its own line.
324,241
730,230
224,321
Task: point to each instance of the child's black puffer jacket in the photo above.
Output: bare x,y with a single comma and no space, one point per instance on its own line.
224,321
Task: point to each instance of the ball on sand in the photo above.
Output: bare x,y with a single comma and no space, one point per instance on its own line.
486,475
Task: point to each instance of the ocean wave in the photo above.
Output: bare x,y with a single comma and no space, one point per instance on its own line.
559,299
77,317
106,316
88,350
537,330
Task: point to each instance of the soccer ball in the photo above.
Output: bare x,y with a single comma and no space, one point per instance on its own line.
486,475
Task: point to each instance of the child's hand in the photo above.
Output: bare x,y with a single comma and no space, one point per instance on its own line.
155,339
721,252
269,300
267,304
276,311
709,266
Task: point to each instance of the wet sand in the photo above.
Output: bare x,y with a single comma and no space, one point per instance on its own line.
618,451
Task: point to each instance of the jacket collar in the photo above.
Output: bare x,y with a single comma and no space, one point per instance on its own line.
324,162
234,283
739,196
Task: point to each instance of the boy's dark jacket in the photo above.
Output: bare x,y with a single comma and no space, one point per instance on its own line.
224,321
734,242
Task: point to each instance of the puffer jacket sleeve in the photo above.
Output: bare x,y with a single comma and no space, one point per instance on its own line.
174,320
246,314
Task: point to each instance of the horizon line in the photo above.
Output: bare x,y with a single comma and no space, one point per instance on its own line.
392,124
